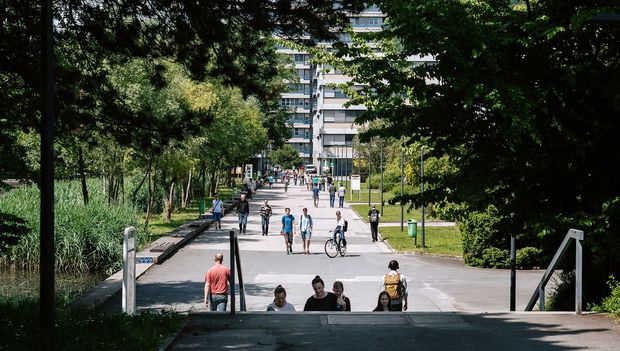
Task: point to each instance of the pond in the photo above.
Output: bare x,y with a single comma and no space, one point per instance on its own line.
20,283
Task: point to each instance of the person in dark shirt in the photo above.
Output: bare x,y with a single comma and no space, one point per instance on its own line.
243,210
322,300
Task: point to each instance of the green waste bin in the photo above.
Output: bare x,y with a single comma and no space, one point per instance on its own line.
201,207
412,229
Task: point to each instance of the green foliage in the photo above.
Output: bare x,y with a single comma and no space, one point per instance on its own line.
611,303
11,229
528,257
439,240
286,156
562,296
480,232
493,257
83,329
88,238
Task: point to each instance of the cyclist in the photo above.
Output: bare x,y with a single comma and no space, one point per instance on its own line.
340,228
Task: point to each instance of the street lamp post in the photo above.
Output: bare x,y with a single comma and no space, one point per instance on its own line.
381,187
369,181
422,190
402,183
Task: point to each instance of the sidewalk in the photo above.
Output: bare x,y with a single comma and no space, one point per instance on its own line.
399,331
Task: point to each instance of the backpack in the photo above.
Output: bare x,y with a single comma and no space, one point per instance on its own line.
346,226
374,216
392,285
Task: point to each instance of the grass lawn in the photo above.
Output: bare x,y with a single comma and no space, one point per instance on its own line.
391,213
439,240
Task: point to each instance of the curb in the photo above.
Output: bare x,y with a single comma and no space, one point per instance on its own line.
166,344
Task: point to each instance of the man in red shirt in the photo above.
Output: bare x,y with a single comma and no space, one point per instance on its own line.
216,285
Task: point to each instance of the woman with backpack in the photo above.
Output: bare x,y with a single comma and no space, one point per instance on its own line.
395,284
341,228
373,218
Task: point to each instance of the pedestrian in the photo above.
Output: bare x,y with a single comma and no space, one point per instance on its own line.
217,209
308,183
305,230
383,302
342,191
288,229
344,304
243,210
265,213
332,194
341,227
295,177
216,285
315,180
315,195
279,303
321,300
396,286
270,180
286,181
373,218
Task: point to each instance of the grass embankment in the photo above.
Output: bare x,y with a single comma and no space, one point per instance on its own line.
438,240
391,213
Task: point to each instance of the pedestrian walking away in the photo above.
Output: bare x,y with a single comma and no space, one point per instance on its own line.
217,210
332,194
216,285
373,218
315,195
342,191
344,304
321,300
243,210
279,303
383,302
286,180
305,229
341,228
288,230
395,284
265,214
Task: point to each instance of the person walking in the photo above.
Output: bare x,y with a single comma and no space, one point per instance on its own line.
383,302
217,209
341,227
288,229
373,218
243,210
265,213
279,303
322,300
315,195
344,304
305,230
332,194
395,284
342,191
216,285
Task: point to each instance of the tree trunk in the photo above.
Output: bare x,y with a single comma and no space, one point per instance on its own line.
189,183
147,173
213,183
169,202
82,170
149,200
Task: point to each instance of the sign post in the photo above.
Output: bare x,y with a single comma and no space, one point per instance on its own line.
249,171
129,270
355,183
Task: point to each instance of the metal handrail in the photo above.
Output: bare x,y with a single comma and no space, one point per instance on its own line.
235,261
539,293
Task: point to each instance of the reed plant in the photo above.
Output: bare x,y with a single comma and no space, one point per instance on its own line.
87,237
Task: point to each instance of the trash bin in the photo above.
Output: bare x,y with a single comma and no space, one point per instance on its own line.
412,228
201,207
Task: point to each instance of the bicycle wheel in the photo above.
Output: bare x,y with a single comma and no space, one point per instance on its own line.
331,249
342,249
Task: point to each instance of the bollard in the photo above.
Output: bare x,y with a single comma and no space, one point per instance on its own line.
129,271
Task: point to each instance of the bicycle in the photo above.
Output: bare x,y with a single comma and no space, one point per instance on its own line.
333,248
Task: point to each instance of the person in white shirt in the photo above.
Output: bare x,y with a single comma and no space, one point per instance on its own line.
340,228
305,229
279,303
342,191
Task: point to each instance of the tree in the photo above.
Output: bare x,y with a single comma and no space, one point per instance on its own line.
286,156
521,98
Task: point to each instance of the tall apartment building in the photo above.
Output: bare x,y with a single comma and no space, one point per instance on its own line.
323,129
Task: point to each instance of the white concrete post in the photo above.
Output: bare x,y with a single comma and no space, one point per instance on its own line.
129,270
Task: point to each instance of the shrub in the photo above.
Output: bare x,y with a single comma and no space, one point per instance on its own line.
611,303
495,258
480,232
562,297
87,238
528,257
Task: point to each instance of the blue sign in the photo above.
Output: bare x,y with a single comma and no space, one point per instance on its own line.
145,260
